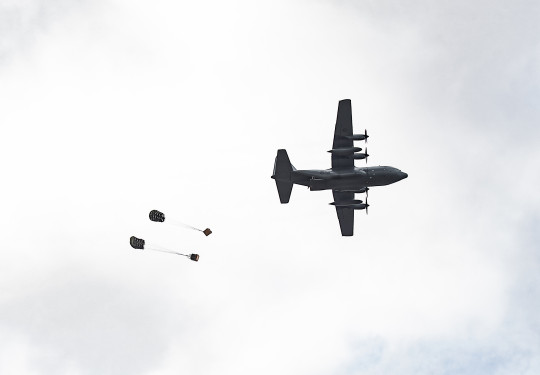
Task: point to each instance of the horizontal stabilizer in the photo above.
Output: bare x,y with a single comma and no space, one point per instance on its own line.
282,175
284,189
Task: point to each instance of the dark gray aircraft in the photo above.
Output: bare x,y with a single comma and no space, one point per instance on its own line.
344,179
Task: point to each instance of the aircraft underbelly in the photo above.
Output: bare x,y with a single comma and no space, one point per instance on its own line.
348,182
379,181
357,182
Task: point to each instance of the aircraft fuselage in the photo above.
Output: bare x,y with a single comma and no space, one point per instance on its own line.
347,179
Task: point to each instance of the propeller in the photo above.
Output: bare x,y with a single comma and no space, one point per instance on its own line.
367,205
367,189
367,136
366,155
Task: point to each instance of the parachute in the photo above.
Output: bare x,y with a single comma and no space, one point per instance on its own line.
140,244
159,217
136,243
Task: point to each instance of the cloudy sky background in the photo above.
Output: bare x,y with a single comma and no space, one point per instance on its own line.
112,108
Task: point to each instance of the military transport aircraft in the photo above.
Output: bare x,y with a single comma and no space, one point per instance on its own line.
344,179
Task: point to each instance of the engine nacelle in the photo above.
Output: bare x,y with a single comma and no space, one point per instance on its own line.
344,151
359,156
356,137
355,204
346,203
356,191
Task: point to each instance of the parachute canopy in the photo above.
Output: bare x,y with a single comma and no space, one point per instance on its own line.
207,232
157,216
136,243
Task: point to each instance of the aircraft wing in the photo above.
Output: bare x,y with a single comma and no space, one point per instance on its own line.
345,215
343,129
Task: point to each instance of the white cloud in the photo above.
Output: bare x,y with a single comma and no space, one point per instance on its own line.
178,106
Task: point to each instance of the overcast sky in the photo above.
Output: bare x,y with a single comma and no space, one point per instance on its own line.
111,108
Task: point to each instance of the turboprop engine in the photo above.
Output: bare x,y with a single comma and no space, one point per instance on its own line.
344,151
361,155
357,191
355,204
358,137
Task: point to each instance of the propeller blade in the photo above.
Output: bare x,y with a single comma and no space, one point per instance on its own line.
366,155
367,136
367,205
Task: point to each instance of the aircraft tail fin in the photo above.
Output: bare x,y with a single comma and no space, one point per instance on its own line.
282,175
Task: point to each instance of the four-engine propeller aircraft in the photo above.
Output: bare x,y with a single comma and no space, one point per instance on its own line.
344,179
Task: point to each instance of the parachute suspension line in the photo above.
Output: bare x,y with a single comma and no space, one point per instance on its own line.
155,247
176,222
140,244
159,217
194,257
167,251
206,231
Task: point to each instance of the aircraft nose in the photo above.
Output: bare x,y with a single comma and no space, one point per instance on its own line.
404,175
